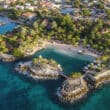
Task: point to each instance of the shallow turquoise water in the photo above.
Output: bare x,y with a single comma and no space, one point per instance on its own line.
20,93
8,27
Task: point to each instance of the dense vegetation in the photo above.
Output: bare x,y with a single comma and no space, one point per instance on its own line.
75,75
14,14
52,25
41,60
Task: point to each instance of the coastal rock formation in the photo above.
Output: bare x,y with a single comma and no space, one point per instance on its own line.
40,68
102,78
7,57
97,73
72,90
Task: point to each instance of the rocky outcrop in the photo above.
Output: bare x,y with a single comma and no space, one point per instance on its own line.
39,70
75,89
72,90
102,78
7,57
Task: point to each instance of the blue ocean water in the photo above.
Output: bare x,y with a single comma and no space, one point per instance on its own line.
8,27
20,93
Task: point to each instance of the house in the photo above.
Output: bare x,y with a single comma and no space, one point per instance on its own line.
19,7
30,8
49,4
58,1
28,17
46,4
27,4
5,6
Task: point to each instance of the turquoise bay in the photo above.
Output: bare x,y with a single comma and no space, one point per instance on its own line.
20,93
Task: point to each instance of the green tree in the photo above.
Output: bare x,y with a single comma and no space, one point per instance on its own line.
18,53
23,33
54,25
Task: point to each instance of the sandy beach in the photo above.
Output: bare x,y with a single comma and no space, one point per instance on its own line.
71,48
63,47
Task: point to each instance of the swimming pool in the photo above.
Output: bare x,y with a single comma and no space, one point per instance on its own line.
8,26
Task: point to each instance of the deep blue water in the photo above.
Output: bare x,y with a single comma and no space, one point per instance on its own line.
8,27
20,93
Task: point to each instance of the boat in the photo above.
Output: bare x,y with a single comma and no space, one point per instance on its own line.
80,52
2,23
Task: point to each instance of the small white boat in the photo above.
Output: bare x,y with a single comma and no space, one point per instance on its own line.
2,23
80,52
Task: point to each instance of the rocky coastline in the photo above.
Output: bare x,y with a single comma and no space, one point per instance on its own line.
72,90
7,57
43,69
40,68
102,78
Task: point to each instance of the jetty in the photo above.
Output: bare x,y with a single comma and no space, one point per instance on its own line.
63,75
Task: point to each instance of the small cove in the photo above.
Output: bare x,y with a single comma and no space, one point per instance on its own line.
18,92
70,62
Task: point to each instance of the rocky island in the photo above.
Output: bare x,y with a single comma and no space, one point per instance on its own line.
72,90
77,85
40,68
